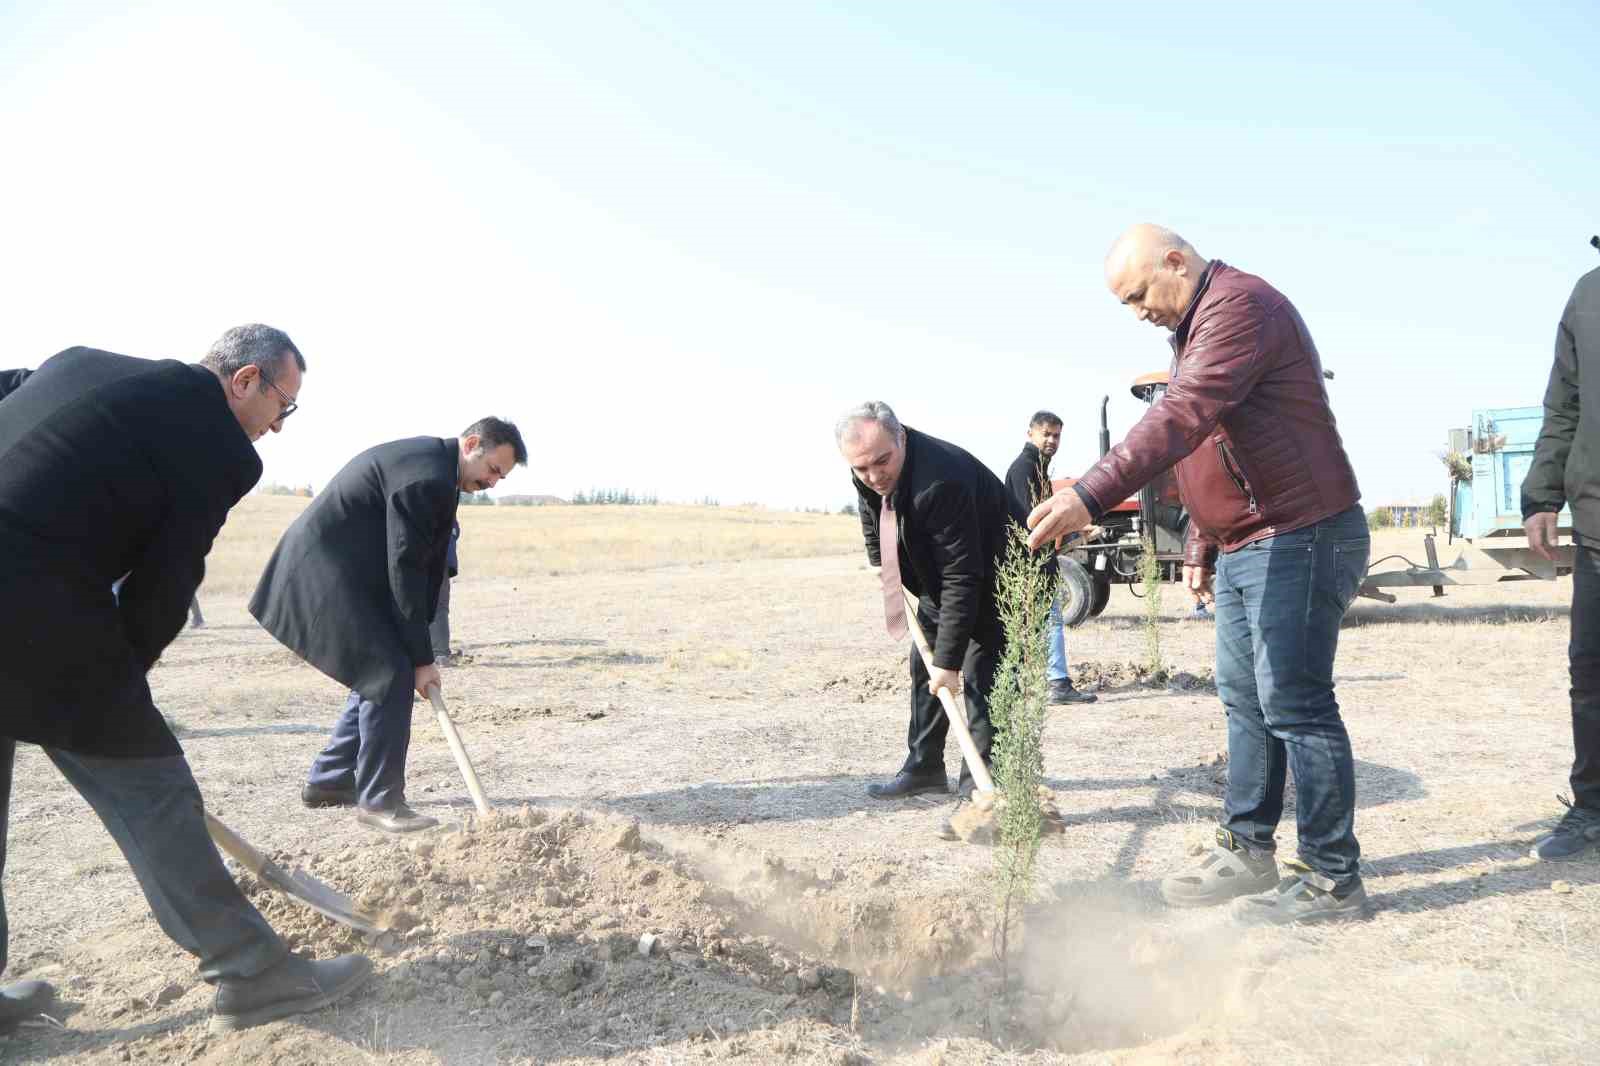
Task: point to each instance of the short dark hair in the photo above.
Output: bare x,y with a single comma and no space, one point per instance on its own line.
251,345
494,432
1044,418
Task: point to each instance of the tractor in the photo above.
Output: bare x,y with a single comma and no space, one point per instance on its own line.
1089,569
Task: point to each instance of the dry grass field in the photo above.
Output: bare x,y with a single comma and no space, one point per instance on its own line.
719,678
525,542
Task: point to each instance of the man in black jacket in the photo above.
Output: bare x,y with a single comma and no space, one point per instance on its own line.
439,630
950,516
1566,474
352,587
122,470
1028,483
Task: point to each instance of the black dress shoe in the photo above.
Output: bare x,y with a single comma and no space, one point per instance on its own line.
291,987
401,819
23,1000
317,796
1063,692
909,784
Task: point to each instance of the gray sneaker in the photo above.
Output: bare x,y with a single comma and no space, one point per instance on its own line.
1577,832
1305,897
1225,872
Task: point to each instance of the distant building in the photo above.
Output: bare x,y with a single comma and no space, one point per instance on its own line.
1406,512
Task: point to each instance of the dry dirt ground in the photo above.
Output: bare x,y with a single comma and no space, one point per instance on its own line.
682,752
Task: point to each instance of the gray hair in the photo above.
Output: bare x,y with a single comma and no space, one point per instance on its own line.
871,411
251,345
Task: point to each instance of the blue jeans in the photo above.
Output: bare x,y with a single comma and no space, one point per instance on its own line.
1279,604
1056,663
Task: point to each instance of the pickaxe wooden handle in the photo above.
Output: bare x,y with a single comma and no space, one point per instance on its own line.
462,760
952,710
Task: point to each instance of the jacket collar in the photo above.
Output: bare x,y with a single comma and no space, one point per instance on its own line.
244,462
1180,336
902,487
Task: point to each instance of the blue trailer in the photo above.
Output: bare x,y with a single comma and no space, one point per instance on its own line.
1490,459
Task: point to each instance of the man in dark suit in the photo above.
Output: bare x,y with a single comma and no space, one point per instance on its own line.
352,587
949,515
1028,483
439,631
122,470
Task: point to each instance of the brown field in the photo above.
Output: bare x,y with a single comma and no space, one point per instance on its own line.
719,677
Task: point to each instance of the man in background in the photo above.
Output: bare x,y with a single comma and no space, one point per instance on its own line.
1566,472
1028,484
155,454
352,588
439,631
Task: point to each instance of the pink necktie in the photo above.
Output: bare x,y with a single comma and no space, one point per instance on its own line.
894,604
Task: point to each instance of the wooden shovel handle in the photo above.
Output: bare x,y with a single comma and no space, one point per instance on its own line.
953,711
448,727
235,845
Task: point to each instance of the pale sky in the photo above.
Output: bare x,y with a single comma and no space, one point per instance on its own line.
674,240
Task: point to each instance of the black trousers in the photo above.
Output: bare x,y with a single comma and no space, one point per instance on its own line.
152,809
926,737
367,751
1583,654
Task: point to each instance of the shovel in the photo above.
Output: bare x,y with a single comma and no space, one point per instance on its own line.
448,726
297,885
957,715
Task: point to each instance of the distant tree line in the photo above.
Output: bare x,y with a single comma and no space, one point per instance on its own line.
614,497
272,488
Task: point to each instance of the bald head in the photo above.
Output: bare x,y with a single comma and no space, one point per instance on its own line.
1154,272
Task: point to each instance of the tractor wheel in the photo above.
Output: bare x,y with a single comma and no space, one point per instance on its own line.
1077,592
1101,595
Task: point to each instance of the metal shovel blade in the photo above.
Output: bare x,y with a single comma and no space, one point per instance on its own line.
320,897
298,885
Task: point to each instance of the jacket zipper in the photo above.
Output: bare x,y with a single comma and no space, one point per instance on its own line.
1234,473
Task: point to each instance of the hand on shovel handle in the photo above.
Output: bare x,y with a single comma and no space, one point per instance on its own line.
427,676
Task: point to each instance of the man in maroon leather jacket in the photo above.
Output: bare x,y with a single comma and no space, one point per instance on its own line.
1277,527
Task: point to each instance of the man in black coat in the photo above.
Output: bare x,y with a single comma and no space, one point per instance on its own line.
950,516
122,470
439,631
352,587
1565,473
1028,483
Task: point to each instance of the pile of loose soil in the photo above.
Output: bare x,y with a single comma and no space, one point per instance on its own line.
1092,674
576,936
871,682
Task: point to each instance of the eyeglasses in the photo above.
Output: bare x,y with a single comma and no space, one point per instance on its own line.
289,405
